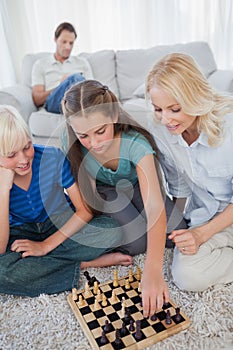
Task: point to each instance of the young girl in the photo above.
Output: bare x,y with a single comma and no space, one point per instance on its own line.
195,139
119,157
37,219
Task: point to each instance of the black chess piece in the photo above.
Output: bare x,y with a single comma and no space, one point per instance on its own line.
118,337
103,339
154,317
127,316
123,329
131,326
178,315
106,326
138,333
90,279
168,317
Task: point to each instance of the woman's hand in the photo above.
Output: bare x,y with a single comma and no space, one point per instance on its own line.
30,248
187,241
154,291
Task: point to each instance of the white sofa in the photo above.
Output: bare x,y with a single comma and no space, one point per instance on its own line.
124,71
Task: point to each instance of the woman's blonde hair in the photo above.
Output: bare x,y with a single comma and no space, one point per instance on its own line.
14,132
179,75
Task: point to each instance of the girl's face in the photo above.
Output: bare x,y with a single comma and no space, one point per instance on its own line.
169,113
20,161
95,132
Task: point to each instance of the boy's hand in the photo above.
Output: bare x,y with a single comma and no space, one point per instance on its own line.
6,179
29,248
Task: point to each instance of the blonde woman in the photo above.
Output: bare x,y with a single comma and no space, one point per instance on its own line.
44,239
194,134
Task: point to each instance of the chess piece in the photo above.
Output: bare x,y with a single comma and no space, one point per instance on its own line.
139,287
87,290
122,311
178,315
130,275
127,285
138,332
80,300
118,337
74,294
115,279
96,287
123,329
104,300
113,297
99,296
154,317
168,318
103,339
96,304
90,279
131,326
139,274
127,316
106,326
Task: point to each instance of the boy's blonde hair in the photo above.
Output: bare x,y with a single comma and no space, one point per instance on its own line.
179,75
14,132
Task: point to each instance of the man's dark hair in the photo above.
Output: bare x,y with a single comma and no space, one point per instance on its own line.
65,26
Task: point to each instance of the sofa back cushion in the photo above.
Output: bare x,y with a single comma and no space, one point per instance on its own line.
103,66
27,65
133,65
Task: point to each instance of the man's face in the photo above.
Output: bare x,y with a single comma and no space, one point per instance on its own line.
64,44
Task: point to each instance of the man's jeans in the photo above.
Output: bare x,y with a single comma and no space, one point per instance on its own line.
58,270
53,101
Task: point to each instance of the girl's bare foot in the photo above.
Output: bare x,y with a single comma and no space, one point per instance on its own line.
109,260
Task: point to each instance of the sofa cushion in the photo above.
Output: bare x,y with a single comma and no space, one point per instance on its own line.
45,124
27,65
133,65
103,67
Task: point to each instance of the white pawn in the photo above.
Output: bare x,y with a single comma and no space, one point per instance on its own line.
74,294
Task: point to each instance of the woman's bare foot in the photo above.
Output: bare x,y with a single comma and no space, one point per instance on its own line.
109,260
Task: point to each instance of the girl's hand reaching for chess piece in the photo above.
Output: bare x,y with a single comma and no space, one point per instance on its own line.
154,290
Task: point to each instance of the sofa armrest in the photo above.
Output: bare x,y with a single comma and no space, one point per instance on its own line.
222,80
19,96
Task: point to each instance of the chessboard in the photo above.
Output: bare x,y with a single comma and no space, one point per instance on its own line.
111,317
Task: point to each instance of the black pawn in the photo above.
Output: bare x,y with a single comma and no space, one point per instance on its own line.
131,326
106,326
103,339
127,316
168,317
123,329
154,317
118,337
178,315
138,333
86,274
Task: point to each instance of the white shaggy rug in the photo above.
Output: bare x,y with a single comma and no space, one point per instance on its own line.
47,322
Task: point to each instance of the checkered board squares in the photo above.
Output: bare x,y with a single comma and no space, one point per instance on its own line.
92,317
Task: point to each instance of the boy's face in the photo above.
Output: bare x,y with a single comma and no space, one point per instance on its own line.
20,161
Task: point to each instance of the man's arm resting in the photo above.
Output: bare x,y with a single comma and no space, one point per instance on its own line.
39,94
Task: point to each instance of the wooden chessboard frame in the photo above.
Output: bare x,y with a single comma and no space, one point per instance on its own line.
148,341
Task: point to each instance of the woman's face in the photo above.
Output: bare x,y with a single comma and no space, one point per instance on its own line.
20,160
169,113
95,132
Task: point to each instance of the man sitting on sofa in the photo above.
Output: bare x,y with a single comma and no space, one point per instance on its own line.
54,74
